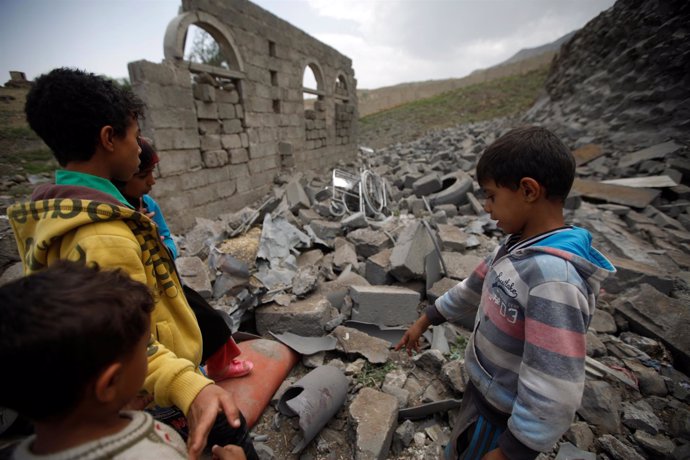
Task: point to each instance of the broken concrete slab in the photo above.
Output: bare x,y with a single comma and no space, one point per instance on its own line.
663,318
296,196
354,221
643,182
385,305
369,242
650,153
407,257
460,266
377,268
326,229
306,317
194,274
567,451
601,406
306,345
392,335
452,238
586,153
310,258
345,254
619,194
336,290
354,342
630,273
374,415
439,288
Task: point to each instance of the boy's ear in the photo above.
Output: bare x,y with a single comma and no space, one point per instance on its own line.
106,383
531,189
105,136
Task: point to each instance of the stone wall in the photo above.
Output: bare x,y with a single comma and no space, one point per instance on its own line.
223,134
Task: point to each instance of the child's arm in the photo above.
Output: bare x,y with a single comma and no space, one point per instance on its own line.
410,340
163,229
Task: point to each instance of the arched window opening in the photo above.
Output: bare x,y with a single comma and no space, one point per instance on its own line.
202,48
314,107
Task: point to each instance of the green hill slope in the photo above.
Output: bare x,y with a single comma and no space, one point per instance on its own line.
498,98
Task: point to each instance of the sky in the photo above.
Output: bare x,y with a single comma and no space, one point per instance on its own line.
389,41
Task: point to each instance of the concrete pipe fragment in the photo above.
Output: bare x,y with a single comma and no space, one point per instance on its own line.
456,185
315,399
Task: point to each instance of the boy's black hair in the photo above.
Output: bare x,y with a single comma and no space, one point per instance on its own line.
530,151
68,107
59,328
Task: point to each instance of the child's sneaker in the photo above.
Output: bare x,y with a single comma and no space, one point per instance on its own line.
236,368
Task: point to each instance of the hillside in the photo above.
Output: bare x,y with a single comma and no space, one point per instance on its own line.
22,154
508,96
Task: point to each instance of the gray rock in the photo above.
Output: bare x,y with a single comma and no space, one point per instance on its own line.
403,436
452,238
453,376
430,360
354,342
640,416
617,449
373,415
13,272
581,435
407,258
306,317
603,322
659,446
384,305
377,269
325,229
345,254
369,242
567,451
194,273
601,405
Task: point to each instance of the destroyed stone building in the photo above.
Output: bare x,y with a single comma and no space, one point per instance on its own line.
223,134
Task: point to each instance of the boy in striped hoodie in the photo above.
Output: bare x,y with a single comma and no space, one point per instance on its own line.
532,300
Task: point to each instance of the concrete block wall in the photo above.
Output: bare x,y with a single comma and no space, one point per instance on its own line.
224,134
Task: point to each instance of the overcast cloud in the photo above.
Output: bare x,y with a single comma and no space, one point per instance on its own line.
389,41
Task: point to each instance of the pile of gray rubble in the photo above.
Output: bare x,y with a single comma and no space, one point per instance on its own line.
342,287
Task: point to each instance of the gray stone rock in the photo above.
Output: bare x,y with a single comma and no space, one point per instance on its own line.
660,317
407,257
460,266
428,184
649,380
567,451
354,342
369,242
325,229
194,273
403,436
595,347
658,446
601,406
345,254
377,269
581,435
305,281
13,272
393,385
603,322
439,288
354,221
306,317
453,376
373,415
452,238
617,449
296,196
430,360
384,305
640,416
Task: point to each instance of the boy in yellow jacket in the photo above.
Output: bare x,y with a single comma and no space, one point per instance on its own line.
91,125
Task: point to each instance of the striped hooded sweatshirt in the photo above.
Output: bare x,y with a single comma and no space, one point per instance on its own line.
532,304
84,224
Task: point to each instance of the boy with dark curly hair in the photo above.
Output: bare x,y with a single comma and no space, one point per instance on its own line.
89,331
532,300
91,125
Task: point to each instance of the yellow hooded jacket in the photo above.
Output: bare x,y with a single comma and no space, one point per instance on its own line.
83,224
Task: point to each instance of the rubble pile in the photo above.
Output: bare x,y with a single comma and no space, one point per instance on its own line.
622,76
298,268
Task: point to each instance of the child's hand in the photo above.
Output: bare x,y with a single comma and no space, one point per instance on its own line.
228,452
410,340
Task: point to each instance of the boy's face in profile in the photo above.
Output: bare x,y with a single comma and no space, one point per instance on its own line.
507,207
134,367
126,150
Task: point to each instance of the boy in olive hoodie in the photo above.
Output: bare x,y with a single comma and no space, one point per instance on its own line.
91,125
